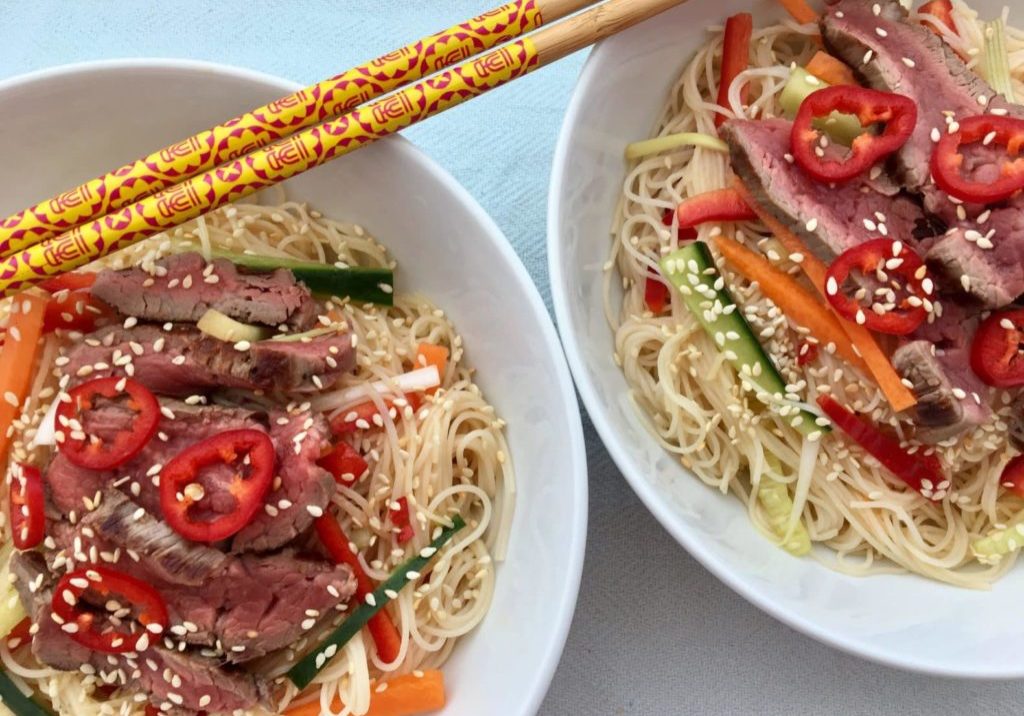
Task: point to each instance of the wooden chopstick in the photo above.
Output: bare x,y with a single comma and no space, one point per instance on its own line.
317,145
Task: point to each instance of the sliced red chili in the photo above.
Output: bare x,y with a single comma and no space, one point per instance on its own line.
73,281
365,415
807,353
735,57
898,305
1013,476
656,295
401,518
75,311
382,629
86,626
344,463
997,352
28,519
809,145
209,508
718,205
20,635
685,233
990,130
920,472
103,452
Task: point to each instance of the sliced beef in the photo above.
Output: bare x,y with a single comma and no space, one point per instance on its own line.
829,219
938,378
299,439
183,361
982,257
186,681
247,606
182,287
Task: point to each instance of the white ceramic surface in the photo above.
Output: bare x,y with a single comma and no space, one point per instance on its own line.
69,124
903,621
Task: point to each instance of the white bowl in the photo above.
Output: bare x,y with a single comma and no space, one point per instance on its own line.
69,124
903,621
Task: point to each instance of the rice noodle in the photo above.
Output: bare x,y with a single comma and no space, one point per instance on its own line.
449,456
697,407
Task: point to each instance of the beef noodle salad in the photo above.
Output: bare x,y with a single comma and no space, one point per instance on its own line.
819,255
245,476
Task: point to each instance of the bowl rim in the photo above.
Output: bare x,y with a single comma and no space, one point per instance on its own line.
649,493
564,607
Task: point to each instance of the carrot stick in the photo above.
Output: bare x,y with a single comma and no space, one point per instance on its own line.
801,306
405,696
898,395
735,58
18,361
834,71
800,10
432,355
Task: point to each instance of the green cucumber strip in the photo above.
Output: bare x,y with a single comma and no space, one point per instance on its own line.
843,128
13,698
996,65
778,506
636,150
361,284
303,673
692,271
991,548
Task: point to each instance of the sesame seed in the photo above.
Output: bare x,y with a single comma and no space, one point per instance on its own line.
909,62
936,134
812,224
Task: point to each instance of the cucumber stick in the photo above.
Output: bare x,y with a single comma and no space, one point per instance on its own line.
361,284
842,128
16,700
11,610
691,270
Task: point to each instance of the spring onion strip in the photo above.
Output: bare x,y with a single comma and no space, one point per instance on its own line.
303,673
412,382
997,62
636,150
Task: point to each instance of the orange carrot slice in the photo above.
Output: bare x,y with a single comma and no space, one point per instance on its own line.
428,354
18,361
800,305
829,69
404,696
878,363
800,10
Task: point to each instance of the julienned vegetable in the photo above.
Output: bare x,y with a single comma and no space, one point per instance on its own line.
18,361
27,500
11,610
778,507
224,328
800,305
897,113
919,471
406,695
691,270
344,463
892,263
670,142
713,206
831,70
735,58
991,548
1013,476
91,452
109,585
841,128
363,285
303,673
989,130
72,306
941,10
428,354
800,10
183,499
16,700
995,350
365,416
996,65
899,396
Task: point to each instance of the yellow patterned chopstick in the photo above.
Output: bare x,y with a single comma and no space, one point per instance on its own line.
312,147
278,119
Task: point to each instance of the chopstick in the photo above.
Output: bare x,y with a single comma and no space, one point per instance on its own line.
278,119
315,146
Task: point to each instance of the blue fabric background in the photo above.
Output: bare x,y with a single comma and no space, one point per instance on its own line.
654,632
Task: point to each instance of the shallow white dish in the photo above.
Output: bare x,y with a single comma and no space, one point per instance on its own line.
904,621
69,124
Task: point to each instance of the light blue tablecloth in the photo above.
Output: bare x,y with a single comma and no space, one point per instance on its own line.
688,645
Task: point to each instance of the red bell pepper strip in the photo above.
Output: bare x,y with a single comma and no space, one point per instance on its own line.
656,295
73,307
883,259
988,129
382,629
182,493
73,281
920,472
718,205
93,452
108,584
996,355
1013,476
735,58
898,113
941,10
349,420
344,463
807,353
20,635
28,519
401,519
